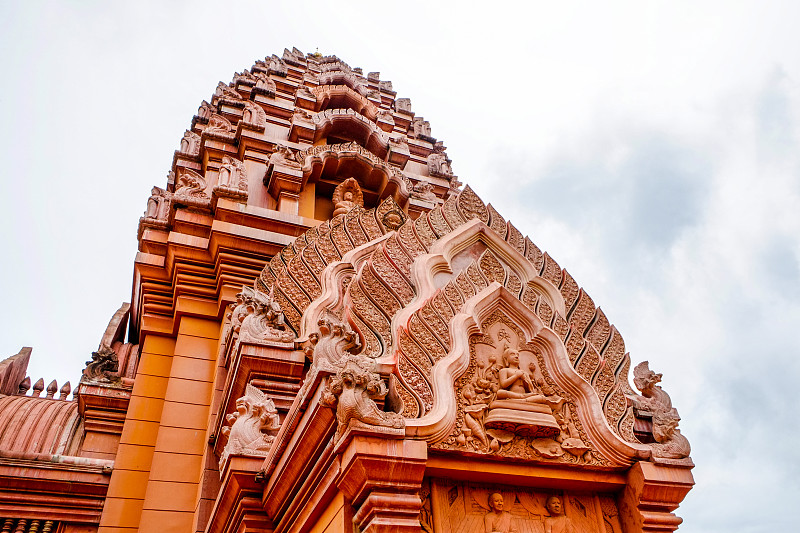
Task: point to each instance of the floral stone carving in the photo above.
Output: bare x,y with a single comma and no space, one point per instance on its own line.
656,404
247,433
352,391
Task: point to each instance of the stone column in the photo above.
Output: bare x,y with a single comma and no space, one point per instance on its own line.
652,492
382,479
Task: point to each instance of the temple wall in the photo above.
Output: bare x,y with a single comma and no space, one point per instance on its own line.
160,462
128,485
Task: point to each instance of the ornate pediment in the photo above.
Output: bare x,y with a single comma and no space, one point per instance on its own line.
495,349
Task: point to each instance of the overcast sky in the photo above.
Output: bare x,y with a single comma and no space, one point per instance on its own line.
650,147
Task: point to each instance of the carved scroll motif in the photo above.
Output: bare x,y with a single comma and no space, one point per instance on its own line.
250,428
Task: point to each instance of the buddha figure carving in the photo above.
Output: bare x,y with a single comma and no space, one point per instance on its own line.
519,405
347,196
497,520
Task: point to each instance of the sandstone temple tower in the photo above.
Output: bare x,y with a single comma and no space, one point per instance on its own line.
328,333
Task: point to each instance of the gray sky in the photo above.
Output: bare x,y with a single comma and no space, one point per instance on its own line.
649,147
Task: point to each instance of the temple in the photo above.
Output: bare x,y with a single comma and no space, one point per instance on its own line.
329,333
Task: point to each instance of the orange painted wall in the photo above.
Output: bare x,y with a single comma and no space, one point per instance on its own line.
126,492
171,496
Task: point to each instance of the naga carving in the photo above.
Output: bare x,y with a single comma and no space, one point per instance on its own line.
219,127
284,156
256,318
104,365
353,392
424,191
655,403
190,188
250,426
331,344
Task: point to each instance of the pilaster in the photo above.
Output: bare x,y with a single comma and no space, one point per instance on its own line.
652,492
382,479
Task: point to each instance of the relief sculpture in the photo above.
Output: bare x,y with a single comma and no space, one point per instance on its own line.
464,507
510,407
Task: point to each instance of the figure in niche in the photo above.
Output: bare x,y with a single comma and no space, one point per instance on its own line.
232,174
205,110
497,520
557,522
190,143
520,407
157,204
347,196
